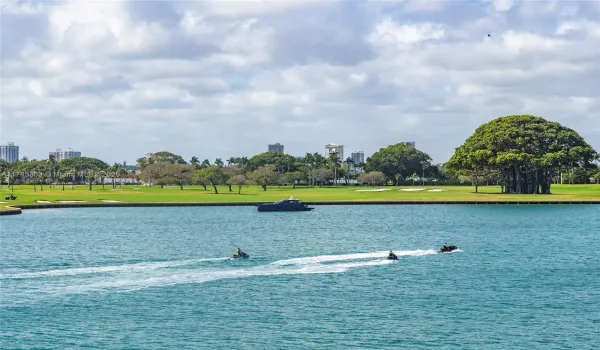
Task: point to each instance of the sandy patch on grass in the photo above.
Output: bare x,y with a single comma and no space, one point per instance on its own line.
375,190
412,189
110,201
43,201
3,202
435,190
73,201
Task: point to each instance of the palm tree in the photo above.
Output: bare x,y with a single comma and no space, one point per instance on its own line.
3,170
195,162
219,162
349,162
232,161
335,161
205,163
52,166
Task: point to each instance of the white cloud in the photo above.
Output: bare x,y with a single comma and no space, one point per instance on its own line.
469,90
239,8
388,32
217,78
588,28
502,5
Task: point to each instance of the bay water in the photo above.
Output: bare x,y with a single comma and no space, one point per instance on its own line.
524,277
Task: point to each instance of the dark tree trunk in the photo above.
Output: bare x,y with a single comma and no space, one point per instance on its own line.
216,190
204,187
264,187
181,187
230,190
239,189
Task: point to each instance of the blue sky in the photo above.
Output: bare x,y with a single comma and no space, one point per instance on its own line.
118,79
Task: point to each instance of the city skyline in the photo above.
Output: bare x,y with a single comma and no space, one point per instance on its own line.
212,80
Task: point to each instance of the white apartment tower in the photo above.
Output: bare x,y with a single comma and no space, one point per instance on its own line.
9,152
60,154
332,147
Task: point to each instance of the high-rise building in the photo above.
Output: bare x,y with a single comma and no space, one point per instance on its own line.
409,143
60,154
332,147
358,157
276,148
9,152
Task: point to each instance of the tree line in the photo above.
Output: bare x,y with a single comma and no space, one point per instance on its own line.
521,153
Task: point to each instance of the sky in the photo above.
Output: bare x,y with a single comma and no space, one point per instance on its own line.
118,79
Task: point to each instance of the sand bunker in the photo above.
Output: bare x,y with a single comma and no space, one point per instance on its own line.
412,189
73,201
110,201
435,190
3,202
375,190
43,201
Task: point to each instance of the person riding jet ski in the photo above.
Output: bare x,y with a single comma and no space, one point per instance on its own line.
240,254
392,256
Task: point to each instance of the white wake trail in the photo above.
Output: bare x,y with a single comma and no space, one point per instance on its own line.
131,277
355,256
143,266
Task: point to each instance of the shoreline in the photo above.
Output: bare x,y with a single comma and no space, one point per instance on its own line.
17,209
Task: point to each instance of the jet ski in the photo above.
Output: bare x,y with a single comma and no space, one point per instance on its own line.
392,256
447,249
242,255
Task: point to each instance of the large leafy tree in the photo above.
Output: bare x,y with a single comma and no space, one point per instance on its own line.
398,161
160,157
264,176
282,162
527,151
213,175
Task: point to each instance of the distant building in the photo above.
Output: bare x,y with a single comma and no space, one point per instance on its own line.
276,148
9,152
60,154
357,158
409,143
332,147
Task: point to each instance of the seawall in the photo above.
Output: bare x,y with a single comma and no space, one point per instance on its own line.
17,209
11,211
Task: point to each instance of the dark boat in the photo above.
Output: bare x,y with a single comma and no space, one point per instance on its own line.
241,255
447,249
291,204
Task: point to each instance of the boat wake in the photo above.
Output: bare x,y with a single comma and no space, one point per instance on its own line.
131,277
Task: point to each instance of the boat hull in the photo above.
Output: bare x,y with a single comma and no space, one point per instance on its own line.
282,208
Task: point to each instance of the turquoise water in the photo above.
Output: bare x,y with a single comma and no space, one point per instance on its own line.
526,277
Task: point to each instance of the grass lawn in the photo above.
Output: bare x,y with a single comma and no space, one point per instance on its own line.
129,194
